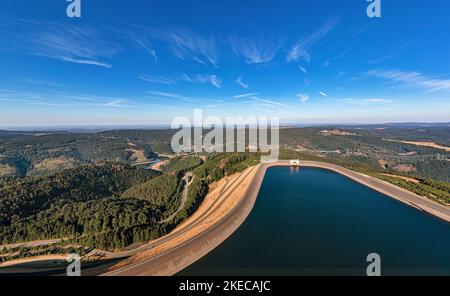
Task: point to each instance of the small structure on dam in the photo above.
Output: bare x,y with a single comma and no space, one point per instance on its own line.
294,162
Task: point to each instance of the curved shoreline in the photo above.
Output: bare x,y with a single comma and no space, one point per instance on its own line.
181,256
192,250
407,197
190,243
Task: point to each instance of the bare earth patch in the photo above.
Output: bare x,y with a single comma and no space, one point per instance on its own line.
412,180
157,166
6,170
137,155
405,168
55,164
425,144
383,163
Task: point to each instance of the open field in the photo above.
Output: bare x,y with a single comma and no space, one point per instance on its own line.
6,170
424,144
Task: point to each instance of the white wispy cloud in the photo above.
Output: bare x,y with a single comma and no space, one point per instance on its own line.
169,95
241,82
412,79
323,94
203,78
303,98
157,79
94,100
148,46
153,54
367,101
245,95
186,44
183,43
303,69
256,50
215,81
117,103
338,57
34,101
45,83
62,99
86,62
381,59
300,51
267,101
142,40
70,43
186,77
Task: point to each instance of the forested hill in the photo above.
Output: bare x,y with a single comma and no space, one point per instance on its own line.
27,198
23,197
109,205
38,153
388,147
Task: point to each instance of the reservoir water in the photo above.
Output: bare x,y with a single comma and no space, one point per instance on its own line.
312,221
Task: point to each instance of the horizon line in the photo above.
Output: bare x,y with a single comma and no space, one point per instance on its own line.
168,127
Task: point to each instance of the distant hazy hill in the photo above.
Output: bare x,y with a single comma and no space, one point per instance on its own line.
378,146
47,152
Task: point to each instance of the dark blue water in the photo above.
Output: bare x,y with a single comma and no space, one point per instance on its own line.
317,222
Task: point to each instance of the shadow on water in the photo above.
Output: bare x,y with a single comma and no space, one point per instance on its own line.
56,268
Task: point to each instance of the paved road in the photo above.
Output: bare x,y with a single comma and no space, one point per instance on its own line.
187,179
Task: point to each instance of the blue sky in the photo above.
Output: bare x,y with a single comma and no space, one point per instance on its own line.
144,62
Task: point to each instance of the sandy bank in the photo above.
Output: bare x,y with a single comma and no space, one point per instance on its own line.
222,212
